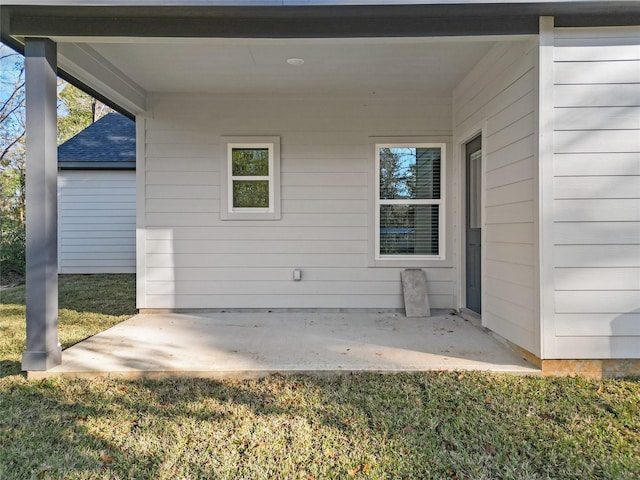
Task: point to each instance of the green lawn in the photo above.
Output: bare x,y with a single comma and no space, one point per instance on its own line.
88,304
427,425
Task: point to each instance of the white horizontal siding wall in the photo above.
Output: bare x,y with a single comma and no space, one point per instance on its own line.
596,187
196,260
96,221
499,96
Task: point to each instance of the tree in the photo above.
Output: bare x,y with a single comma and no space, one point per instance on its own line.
12,164
76,111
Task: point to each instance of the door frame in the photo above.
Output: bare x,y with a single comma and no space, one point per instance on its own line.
462,212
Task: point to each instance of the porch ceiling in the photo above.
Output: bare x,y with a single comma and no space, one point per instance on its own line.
407,66
139,59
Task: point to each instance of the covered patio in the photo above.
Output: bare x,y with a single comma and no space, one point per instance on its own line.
255,344
323,98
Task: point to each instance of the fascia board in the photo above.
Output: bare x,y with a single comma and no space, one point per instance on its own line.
66,165
227,3
91,68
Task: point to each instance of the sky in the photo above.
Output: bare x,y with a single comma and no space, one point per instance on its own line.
9,75
9,70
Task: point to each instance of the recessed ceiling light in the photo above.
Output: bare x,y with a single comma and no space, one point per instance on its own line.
296,62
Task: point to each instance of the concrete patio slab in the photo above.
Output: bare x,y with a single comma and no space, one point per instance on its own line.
237,344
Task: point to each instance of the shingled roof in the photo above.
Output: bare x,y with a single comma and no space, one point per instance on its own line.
109,143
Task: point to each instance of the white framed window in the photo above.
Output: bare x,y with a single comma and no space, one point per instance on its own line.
409,201
251,179
250,167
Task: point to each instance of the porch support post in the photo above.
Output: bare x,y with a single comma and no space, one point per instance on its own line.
43,349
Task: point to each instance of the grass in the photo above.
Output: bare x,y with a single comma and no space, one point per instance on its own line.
431,425
88,304
426,425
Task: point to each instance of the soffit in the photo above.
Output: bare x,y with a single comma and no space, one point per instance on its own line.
406,66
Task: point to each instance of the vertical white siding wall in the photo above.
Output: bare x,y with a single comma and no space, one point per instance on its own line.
96,221
196,260
500,96
597,192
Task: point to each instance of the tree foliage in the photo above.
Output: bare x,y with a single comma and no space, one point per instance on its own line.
76,111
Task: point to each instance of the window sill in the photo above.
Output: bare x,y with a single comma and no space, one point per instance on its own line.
250,216
410,263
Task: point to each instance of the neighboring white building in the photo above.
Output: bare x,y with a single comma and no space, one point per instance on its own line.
494,145
97,198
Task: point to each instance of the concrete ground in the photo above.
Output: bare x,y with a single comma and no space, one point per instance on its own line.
238,344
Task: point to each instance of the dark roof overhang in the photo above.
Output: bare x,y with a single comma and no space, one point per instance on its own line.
304,19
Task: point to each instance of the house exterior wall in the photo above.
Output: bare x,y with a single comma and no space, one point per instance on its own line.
96,221
596,184
190,258
499,98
